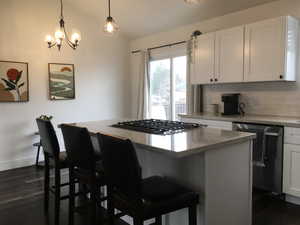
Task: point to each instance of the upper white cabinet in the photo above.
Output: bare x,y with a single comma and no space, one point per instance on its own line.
204,60
262,51
229,55
271,50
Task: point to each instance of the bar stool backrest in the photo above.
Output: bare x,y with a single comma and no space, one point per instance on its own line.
49,139
79,147
121,165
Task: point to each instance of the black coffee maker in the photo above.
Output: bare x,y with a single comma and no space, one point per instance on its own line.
231,104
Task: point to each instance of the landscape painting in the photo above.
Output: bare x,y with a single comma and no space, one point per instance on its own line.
14,82
61,81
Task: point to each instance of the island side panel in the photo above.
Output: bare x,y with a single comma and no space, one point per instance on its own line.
228,185
188,171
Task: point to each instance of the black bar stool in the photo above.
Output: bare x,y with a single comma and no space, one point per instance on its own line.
84,165
55,158
139,198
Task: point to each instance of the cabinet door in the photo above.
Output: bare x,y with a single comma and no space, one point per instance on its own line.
291,170
230,55
264,50
203,71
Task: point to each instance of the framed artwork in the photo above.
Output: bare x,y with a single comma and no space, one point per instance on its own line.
61,81
14,82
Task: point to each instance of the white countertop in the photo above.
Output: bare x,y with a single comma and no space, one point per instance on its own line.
178,145
260,119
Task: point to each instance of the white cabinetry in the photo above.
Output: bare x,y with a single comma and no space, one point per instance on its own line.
271,50
224,125
261,51
204,62
291,163
229,57
219,57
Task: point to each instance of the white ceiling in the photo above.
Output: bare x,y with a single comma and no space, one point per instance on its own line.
138,18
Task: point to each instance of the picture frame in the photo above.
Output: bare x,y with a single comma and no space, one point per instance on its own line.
61,81
14,81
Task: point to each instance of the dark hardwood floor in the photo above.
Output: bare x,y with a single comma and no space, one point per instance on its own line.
21,203
270,210
21,200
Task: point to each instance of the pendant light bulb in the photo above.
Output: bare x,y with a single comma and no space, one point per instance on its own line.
58,41
110,26
75,38
59,34
49,39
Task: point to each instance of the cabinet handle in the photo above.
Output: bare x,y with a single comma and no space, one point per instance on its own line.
216,79
211,80
281,77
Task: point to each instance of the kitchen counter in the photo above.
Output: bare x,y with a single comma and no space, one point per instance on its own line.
178,145
260,119
215,163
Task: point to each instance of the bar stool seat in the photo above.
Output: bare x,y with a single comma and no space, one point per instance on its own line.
87,177
99,167
158,188
63,160
160,195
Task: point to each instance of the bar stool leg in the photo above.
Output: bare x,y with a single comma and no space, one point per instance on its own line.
57,194
158,220
110,206
193,215
38,154
46,183
71,196
138,221
94,203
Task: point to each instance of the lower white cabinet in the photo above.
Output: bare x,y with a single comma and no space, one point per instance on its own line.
291,164
291,170
224,125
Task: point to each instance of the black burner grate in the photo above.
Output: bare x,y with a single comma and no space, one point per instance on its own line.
154,126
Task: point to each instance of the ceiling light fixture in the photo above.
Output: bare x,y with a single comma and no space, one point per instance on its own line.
61,34
110,26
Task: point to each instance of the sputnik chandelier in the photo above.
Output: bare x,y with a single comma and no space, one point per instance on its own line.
61,34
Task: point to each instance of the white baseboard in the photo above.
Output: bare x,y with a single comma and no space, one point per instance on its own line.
292,199
12,164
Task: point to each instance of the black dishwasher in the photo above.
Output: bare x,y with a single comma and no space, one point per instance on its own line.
267,155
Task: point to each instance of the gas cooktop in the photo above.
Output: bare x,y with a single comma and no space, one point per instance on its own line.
153,126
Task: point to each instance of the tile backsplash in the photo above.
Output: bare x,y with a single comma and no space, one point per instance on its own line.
267,98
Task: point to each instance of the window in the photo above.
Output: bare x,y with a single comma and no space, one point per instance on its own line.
168,87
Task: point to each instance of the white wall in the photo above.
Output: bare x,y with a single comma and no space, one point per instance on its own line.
267,98
101,67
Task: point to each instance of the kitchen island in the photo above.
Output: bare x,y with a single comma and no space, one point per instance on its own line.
215,163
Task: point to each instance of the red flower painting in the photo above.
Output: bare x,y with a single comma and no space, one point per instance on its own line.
11,83
13,74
